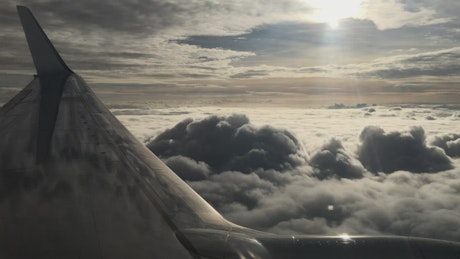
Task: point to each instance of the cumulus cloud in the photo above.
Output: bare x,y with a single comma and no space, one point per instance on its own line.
330,193
390,152
187,168
233,191
230,143
332,160
401,203
450,143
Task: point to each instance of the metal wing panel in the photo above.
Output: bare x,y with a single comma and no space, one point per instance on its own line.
174,197
17,119
90,198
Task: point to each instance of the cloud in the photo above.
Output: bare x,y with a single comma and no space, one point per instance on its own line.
107,15
400,204
250,74
330,193
442,62
187,168
439,63
175,42
450,143
230,143
390,152
442,8
231,191
395,14
300,44
171,17
332,160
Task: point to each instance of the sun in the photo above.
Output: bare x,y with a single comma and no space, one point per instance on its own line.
332,11
333,23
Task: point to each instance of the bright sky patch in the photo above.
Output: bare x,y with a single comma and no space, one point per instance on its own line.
332,11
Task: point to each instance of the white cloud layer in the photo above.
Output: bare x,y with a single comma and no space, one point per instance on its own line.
317,195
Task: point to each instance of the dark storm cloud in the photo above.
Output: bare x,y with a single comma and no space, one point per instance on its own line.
230,143
333,161
390,152
450,143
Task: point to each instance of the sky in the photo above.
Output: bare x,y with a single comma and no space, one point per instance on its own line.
294,53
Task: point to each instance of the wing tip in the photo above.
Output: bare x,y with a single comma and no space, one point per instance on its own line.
23,10
22,7
46,58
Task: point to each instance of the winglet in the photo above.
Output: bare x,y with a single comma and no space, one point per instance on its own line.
46,59
52,73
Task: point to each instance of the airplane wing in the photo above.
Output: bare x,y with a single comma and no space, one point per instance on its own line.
74,183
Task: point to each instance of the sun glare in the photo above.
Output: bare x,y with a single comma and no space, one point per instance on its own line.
332,11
